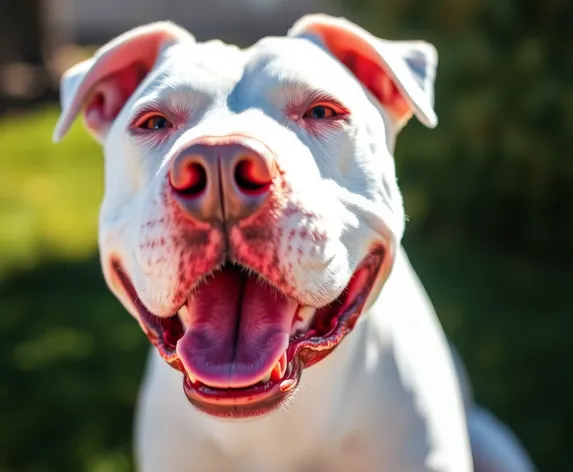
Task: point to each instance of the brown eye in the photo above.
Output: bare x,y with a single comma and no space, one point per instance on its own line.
153,122
320,112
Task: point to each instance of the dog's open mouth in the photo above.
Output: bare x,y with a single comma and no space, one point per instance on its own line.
242,344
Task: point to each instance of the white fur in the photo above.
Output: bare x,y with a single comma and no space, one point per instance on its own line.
388,399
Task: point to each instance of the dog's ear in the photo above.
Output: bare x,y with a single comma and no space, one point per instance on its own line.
102,84
400,74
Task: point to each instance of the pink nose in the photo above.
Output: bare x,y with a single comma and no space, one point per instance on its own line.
223,179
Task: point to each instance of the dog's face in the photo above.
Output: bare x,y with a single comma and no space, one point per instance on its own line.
251,210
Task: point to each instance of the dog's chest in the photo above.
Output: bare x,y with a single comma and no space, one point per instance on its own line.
351,453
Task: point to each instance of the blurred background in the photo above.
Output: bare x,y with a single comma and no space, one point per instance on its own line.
488,194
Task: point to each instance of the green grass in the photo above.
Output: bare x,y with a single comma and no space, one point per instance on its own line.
71,359
48,194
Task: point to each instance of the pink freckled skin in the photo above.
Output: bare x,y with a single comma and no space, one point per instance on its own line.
290,211
170,247
256,241
191,239
178,251
318,235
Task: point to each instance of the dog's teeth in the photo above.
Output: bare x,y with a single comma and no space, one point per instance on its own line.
279,369
266,378
302,319
192,379
184,316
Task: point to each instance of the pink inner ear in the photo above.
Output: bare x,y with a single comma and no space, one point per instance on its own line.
377,81
109,96
361,59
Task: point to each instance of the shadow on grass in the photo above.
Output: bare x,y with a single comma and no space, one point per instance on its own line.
70,361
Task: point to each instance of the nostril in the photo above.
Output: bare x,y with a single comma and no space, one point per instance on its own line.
191,180
252,178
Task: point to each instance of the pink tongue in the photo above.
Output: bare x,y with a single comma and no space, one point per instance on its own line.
238,330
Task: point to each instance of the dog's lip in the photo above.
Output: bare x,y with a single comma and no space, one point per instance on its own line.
302,352
253,401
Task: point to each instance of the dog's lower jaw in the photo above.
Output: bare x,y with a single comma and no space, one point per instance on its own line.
304,423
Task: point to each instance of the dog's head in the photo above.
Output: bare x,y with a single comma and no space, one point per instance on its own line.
251,210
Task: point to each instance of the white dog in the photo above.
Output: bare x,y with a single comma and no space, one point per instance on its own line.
252,223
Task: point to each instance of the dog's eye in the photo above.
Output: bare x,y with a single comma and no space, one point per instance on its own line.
153,122
320,112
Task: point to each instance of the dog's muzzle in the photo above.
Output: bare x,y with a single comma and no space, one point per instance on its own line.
240,337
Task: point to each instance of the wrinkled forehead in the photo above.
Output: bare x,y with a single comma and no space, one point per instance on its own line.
221,70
